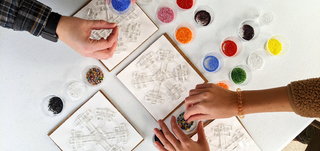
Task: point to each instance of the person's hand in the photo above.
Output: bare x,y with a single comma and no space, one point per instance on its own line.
76,32
133,1
184,142
210,101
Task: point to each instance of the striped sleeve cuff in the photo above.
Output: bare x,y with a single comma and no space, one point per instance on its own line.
32,17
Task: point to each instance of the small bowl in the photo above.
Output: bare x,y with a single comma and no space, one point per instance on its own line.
45,108
170,6
188,26
237,41
251,23
205,23
74,89
119,11
256,60
193,127
284,43
194,2
228,83
217,58
266,17
85,71
245,69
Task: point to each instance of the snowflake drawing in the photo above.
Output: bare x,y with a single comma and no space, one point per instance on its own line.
228,140
129,32
167,85
91,132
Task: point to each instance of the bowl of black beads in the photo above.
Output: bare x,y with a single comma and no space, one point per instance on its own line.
249,30
52,105
156,139
203,16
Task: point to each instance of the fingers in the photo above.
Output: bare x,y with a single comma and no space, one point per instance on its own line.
202,86
106,43
193,110
114,34
101,24
196,91
106,53
201,134
192,100
168,140
197,117
177,131
158,145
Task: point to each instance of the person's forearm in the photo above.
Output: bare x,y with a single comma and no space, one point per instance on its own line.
269,100
24,15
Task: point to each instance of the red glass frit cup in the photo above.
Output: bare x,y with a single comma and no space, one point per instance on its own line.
231,46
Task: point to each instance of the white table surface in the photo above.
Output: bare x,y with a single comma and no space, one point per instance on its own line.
32,68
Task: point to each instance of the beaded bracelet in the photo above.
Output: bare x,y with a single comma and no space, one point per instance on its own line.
240,105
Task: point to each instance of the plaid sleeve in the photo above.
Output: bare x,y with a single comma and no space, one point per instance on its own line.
24,15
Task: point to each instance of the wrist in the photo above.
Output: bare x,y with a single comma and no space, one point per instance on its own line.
49,31
240,103
61,26
234,103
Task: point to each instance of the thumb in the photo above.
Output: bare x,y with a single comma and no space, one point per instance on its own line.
201,135
101,24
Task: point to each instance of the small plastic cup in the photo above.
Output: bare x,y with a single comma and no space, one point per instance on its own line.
119,7
97,80
182,38
240,75
225,84
166,12
185,2
74,89
256,60
212,62
187,128
274,49
226,44
248,30
203,16
266,17
46,107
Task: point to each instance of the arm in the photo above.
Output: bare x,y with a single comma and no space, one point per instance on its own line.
270,100
209,101
32,16
24,15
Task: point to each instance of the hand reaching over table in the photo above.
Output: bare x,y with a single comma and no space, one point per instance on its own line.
210,101
76,32
184,142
